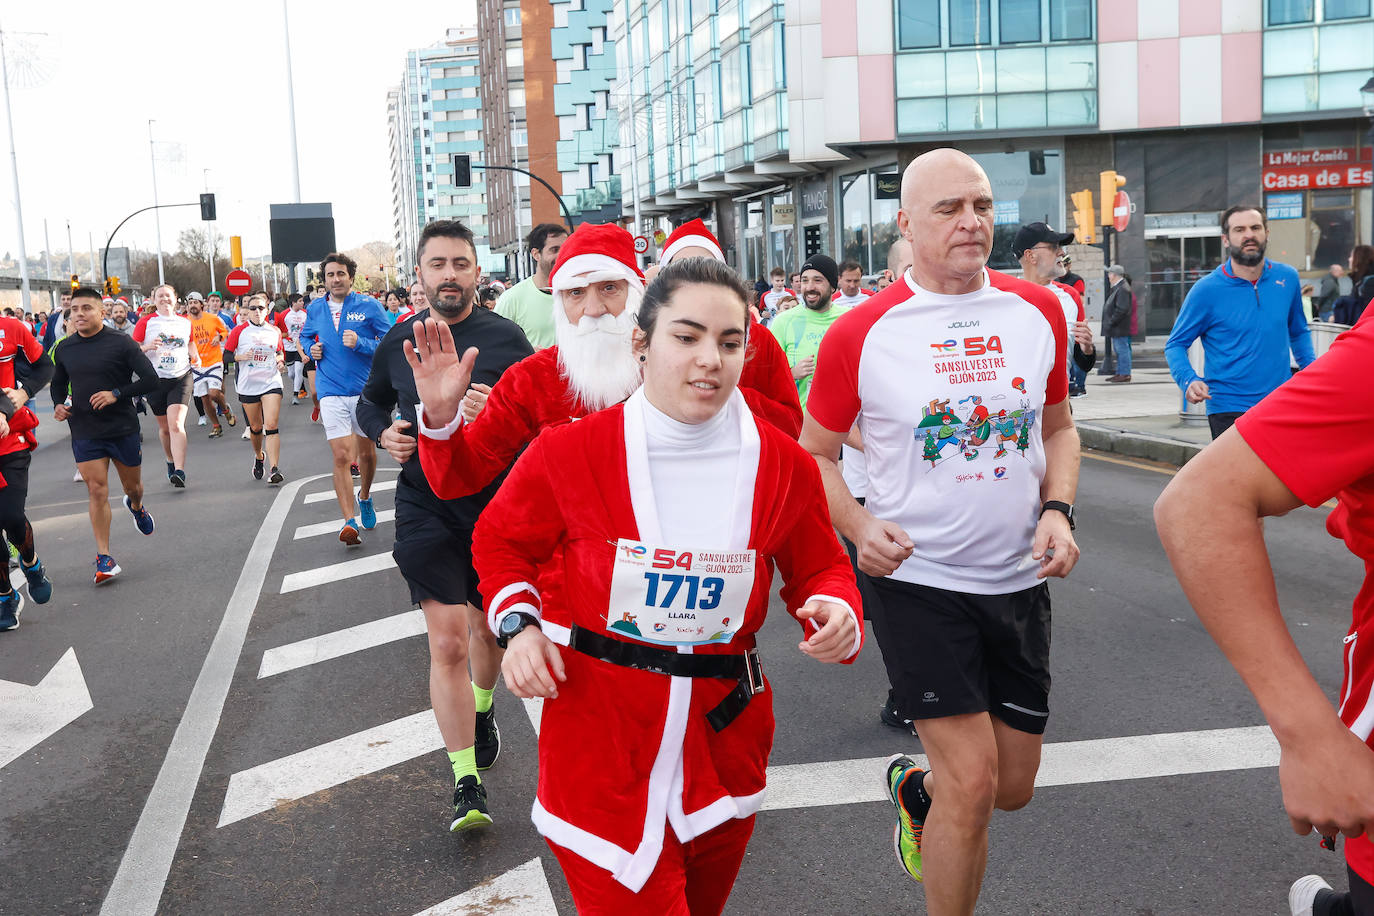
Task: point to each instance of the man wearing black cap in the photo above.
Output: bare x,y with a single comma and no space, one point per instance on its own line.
1038,247
799,331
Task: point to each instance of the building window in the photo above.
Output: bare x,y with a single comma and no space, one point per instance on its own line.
515,57
1019,21
512,17
970,23
1345,9
1286,12
1071,20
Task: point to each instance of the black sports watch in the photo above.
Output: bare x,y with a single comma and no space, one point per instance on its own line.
512,624
1066,508
114,392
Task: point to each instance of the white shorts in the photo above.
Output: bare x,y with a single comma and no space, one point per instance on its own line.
207,380
339,415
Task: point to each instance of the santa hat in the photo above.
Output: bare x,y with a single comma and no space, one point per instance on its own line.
594,253
692,234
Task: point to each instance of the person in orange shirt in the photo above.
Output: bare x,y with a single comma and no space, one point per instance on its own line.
209,333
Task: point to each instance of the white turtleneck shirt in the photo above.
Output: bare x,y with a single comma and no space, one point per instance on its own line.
693,469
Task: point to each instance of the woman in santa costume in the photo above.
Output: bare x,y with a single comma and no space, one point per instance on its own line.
596,292
669,512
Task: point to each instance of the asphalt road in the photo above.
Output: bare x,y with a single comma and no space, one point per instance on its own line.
266,830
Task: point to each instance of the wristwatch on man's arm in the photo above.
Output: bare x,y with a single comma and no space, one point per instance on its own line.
1058,506
511,625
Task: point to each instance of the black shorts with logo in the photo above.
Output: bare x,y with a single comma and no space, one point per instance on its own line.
433,549
953,653
170,391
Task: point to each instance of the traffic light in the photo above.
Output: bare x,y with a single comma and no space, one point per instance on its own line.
114,286
1111,183
75,281
207,207
108,294
1084,219
462,170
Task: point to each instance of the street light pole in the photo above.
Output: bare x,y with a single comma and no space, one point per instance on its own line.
71,250
14,174
152,156
291,128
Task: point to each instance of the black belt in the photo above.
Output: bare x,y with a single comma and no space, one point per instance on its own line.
746,668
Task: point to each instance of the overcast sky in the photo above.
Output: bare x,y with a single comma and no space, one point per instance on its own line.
213,79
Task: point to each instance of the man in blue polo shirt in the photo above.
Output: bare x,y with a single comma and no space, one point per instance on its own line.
1248,313
342,331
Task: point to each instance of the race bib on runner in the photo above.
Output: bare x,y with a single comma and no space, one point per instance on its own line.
679,597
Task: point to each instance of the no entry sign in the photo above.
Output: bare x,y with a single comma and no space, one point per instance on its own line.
238,282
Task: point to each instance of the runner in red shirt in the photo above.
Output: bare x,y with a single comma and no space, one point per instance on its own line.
1208,520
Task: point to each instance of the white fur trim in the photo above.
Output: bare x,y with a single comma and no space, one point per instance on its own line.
690,241
524,607
587,845
513,589
442,433
585,269
556,632
858,631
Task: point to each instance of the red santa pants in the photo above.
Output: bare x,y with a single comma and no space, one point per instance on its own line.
691,879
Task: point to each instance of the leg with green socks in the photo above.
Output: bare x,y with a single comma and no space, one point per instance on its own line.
469,795
464,764
483,696
487,737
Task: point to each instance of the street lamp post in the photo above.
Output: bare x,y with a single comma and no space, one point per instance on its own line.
1367,100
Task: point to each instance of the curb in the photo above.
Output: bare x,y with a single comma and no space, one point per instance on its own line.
1137,445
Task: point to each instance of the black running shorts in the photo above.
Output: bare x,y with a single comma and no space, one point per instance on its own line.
170,391
951,653
433,551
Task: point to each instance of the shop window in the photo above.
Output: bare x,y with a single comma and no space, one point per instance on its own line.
1333,216
1019,21
918,23
1071,20
855,198
970,23
1287,12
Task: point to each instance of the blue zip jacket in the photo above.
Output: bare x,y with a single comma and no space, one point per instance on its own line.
341,371
1247,330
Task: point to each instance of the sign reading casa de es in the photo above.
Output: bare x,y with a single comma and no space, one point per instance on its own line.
1300,169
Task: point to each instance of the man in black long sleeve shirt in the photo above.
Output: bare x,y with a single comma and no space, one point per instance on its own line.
434,536
103,371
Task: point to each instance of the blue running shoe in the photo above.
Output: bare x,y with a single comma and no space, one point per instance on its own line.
348,534
40,589
10,606
366,514
105,568
142,517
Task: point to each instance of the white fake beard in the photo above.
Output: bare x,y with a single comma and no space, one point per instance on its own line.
596,357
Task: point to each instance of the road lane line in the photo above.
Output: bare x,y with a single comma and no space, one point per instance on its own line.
147,860
332,527
286,779
341,642
328,495
348,569
843,782
522,891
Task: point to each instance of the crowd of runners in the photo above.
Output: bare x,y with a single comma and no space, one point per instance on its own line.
601,473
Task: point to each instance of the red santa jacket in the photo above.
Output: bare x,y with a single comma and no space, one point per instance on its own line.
16,336
569,499
533,395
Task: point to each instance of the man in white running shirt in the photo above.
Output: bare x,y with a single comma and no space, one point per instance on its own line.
166,337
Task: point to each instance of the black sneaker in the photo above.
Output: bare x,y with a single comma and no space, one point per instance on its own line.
488,739
10,606
276,476
469,805
171,470
258,462
891,717
178,479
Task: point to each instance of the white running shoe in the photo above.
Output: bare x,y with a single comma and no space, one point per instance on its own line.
200,422
1303,894
77,477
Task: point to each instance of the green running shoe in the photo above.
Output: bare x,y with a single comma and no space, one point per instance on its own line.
469,805
906,835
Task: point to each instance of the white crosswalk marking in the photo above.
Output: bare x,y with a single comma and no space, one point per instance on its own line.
341,642
522,891
327,495
333,526
348,569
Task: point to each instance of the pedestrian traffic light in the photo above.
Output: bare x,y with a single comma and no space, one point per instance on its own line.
462,170
75,281
1111,183
207,207
1084,218
114,286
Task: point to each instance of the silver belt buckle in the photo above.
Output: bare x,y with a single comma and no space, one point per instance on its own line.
754,667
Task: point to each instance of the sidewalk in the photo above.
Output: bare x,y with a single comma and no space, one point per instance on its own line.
1139,419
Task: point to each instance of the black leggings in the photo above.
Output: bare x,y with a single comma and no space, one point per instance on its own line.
1359,901
14,467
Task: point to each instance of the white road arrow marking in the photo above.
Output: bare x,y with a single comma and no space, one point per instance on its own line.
342,642
332,527
327,495
363,566
30,715
522,891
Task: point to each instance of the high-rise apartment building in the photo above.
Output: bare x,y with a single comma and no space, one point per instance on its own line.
588,129
433,114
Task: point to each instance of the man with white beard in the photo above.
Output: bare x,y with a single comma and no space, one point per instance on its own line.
596,290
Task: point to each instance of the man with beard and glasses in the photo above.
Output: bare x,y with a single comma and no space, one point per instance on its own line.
1249,315
799,331
434,535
